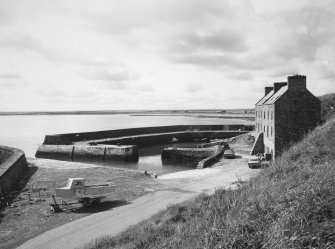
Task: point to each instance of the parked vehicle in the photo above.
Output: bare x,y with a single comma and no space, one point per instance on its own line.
229,154
258,162
254,163
86,194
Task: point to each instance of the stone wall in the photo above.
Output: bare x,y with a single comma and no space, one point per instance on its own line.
103,146
13,164
75,153
212,158
186,155
164,138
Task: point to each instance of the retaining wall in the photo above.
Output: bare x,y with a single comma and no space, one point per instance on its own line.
13,164
212,158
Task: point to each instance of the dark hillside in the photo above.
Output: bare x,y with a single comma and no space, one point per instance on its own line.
288,205
327,106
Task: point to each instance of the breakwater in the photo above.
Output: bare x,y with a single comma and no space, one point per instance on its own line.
75,153
71,138
93,146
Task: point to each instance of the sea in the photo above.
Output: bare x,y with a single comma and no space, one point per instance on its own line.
26,132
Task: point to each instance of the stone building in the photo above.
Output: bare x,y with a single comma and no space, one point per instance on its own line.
285,113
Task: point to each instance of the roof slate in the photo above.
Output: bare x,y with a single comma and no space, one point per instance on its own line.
265,98
276,96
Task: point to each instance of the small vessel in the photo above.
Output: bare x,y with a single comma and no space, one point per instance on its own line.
86,194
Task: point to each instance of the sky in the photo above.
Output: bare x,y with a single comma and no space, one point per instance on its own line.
153,54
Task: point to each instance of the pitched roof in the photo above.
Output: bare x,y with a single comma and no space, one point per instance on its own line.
265,98
276,96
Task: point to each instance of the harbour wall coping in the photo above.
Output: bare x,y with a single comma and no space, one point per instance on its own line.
13,164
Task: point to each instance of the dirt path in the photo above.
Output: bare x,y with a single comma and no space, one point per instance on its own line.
177,187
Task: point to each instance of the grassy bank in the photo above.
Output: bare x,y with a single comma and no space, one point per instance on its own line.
288,205
327,106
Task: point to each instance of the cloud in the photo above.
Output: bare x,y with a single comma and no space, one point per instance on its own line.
308,29
9,76
54,92
284,71
242,76
105,75
193,88
128,15
5,85
215,41
143,50
144,87
20,42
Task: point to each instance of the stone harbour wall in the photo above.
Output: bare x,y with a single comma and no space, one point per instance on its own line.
104,146
71,138
78,153
186,155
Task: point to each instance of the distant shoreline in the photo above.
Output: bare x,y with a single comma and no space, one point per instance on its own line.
246,117
217,112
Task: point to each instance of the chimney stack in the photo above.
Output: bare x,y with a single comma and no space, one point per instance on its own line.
268,89
278,85
296,82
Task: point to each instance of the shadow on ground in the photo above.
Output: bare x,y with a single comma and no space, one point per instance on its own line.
99,207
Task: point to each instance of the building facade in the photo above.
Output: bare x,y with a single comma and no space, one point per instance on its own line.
285,114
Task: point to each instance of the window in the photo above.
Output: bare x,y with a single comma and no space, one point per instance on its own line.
271,131
271,115
267,131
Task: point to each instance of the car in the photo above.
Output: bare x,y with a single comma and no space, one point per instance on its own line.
229,154
254,163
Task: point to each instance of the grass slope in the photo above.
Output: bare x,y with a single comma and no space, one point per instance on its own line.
288,205
327,106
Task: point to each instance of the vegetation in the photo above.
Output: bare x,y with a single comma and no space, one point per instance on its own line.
327,106
288,205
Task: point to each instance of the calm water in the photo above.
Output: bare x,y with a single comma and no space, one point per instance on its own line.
27,132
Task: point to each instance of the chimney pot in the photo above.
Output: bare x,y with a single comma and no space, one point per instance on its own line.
296,82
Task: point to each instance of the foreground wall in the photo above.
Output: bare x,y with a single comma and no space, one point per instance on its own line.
13,164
